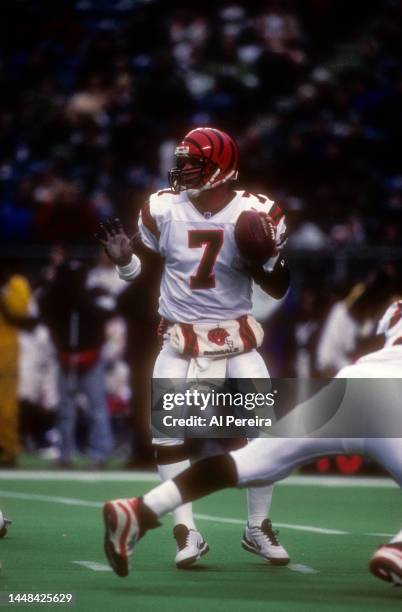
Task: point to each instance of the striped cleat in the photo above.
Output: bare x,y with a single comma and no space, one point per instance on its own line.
386,563
122,532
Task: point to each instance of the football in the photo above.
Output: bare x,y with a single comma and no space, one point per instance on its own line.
255,236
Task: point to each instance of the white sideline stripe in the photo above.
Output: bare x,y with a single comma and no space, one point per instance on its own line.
67,501
232,521
380,535
71,501
303,569
142,476
100,567
340,481
92,565
79,476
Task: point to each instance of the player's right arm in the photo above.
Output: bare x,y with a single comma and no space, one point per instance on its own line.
148,230
141,253
119,248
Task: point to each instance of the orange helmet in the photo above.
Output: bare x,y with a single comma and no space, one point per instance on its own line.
205,158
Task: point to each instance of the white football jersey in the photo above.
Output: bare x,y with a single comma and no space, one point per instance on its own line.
391,325
204,277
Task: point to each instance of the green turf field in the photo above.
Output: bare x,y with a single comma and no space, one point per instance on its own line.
330,530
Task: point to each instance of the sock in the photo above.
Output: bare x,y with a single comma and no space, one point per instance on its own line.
397,538
164,498
259,504
147,519
183,514
202,478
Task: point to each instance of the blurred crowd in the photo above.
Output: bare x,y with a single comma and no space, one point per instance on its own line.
95,94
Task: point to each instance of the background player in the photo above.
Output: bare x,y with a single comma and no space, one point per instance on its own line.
4,523
268,460
207,280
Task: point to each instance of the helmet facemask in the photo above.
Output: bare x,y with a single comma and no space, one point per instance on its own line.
205,159
192,179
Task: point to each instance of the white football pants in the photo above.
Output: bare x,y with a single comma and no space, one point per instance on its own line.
170,364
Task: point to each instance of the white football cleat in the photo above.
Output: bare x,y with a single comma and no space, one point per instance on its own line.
386,563
4,523
122,532
263,541
190,546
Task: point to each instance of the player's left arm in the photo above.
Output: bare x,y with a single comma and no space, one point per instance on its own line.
274,276
275,282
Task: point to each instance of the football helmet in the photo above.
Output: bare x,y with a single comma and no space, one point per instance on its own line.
205,158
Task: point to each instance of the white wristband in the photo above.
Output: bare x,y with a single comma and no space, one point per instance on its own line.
131,270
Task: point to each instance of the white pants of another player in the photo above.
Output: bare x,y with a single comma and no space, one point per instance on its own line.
266,460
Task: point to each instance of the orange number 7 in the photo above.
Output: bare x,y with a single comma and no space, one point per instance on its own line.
213,241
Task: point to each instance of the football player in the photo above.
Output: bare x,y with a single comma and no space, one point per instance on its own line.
264,461
4,523
205,300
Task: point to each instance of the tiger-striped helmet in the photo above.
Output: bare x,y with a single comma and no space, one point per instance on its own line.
205,158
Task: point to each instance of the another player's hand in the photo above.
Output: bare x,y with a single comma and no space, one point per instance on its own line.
117,244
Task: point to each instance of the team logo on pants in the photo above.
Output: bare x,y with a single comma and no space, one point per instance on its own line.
218,336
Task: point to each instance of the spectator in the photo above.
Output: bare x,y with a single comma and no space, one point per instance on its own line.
103,278
76,317
14,301
350,328
338,339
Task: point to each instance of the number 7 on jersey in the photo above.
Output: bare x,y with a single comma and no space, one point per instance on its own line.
212,240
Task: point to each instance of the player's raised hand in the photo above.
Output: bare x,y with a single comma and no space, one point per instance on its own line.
117,244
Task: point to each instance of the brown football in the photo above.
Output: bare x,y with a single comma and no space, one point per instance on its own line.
255,236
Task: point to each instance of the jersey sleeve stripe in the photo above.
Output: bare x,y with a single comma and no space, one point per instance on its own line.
397,315
276,213
149,221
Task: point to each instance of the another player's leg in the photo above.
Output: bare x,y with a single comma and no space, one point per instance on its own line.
259,536
381,412
127,520
4,523
386,562
259,463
